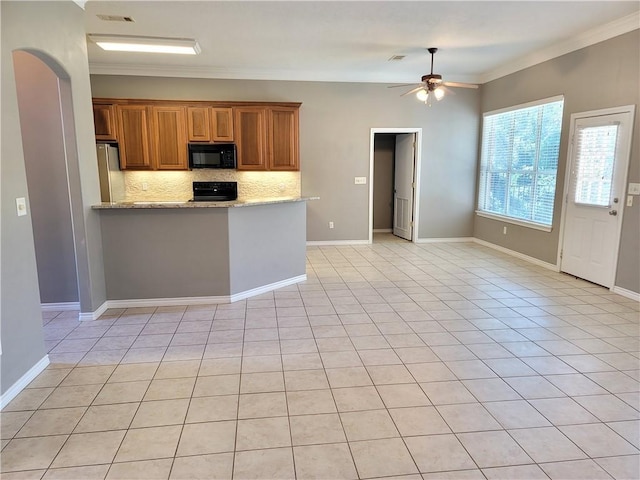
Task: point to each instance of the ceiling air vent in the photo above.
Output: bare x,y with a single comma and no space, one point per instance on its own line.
396,58
115,18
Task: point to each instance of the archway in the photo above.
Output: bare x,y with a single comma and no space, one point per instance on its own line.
48,138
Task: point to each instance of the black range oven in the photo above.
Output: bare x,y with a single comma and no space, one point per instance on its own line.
215,191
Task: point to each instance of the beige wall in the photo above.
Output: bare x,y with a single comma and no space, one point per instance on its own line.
335,131
54,31
603,75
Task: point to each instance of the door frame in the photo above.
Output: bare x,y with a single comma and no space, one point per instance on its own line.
417,170
630,109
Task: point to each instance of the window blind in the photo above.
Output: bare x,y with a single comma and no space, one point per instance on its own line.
519,162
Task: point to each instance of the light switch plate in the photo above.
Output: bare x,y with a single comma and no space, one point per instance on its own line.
634,189
360,180
21,206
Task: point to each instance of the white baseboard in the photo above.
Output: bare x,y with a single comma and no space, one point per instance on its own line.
327,243
267,288
165,302
176,301
88,316
23,381
445,240
626,293
522,256
59,307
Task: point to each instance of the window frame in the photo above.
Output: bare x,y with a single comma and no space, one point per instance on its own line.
503,217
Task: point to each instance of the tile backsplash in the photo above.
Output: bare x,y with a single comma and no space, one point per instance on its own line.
177,186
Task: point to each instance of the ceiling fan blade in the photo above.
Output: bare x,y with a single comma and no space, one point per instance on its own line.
401,85
446,90
420,87
460,85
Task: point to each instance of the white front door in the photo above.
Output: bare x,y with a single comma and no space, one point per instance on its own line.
598,160
404,186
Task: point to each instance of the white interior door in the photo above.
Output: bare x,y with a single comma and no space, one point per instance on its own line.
404,186
599,156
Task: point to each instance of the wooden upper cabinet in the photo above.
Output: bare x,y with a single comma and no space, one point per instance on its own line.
210,124
169,137
154,134
283,151
250,129
104,121
133,135
199,124
222,124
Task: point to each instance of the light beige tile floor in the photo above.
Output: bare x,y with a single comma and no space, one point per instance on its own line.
392,360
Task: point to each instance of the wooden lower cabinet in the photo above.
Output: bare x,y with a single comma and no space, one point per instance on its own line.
169,138
133,136
250,125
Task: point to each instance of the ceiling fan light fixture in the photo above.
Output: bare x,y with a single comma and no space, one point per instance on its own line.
432,85
124,43
422,95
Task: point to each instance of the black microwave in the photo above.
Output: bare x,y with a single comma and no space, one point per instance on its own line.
210,155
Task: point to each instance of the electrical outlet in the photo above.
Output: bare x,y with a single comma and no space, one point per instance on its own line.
21,206
330,224
504,230
360,180
629,200
145,186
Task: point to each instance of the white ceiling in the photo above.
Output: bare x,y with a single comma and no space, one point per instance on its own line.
352,41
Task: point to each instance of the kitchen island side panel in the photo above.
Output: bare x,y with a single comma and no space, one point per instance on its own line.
267,244
165,253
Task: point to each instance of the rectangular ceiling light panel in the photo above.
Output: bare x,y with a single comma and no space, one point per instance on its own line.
124,43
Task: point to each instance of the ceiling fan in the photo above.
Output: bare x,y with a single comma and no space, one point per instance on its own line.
432,85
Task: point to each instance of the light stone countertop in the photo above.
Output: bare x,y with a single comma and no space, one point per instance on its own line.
188,204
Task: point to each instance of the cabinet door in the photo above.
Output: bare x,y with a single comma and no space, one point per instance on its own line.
169,138
104,121
199,124
222,124
133,135
283,139
250,134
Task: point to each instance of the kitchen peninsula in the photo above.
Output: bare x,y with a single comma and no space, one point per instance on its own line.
201,252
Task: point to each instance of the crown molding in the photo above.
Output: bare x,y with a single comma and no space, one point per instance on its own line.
181,71
599,34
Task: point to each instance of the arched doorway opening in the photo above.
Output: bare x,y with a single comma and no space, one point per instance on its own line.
48,137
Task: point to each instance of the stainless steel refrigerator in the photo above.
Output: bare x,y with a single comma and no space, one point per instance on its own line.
112,186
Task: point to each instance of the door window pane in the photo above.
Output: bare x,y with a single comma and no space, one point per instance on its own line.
596,152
